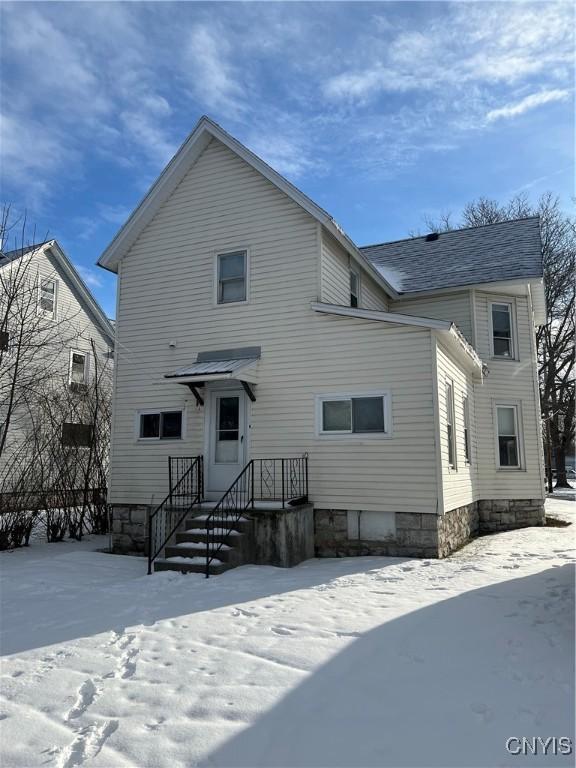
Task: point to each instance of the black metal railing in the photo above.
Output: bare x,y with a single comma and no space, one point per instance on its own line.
186,477
280,481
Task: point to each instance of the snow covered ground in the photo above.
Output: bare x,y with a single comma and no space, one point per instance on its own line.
351,662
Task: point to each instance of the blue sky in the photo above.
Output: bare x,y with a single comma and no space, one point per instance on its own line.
381,112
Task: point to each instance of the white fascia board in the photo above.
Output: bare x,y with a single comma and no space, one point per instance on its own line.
518,286
538,294
247,376
397,318
181,163
90,302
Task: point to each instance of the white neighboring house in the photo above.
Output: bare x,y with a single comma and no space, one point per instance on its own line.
250,327
63,325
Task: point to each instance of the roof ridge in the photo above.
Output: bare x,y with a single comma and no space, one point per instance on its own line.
449,231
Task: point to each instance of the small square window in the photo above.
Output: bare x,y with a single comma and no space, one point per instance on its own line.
232,270
150,425
76,435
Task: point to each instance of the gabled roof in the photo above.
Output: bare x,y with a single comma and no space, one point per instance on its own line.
174,172
509,250
69,271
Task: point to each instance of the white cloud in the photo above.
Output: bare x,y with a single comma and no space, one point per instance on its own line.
513,109
90,276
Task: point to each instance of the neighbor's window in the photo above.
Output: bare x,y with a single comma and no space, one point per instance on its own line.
163,425
354,289
450,423
48,296
78,373
466,411
232,271
353,415
502,337
4,341
76,435
508,441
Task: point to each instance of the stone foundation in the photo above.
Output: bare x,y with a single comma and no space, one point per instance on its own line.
507,514
130,529
426,535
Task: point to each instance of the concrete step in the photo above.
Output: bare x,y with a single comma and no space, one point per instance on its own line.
198,549
198,536
222,526
190,565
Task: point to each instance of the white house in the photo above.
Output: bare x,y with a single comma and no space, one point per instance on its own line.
399,379
51,328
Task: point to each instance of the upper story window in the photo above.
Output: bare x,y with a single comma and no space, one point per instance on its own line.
232,270
508,426
78,369
160,425
450,424
502,330
354,289
347,415
48,297
466,413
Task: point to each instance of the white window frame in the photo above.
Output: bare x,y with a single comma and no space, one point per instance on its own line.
159,439
86,357
356,274
228,252
449,385
50,315
349,435
518,423
467,432
513,338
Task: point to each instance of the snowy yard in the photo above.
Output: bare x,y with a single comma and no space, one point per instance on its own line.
352,662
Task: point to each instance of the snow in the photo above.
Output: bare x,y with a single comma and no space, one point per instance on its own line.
345,662
393,277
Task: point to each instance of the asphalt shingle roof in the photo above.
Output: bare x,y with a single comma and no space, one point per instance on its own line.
505,251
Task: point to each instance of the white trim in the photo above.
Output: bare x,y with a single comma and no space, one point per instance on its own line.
396,318
225,388
86,356
216,278
385,394
148,411
204,131
518,423
511,303
490,287
437,426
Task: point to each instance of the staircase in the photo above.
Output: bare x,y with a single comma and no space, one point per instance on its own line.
196,536
189,552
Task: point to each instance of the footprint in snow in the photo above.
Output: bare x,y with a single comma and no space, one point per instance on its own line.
84,698
281,631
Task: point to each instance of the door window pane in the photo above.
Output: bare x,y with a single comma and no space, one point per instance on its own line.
227,447
171,425
337,416
368,414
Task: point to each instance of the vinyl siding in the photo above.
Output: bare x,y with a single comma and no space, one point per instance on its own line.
167,295
456,307
459,485
335,278
73,328
508,381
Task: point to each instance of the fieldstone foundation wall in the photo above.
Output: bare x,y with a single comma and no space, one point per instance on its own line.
507,514
130,528
426,535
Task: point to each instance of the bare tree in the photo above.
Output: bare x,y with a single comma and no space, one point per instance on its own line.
555,338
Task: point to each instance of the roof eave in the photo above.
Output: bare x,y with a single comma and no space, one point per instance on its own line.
495,285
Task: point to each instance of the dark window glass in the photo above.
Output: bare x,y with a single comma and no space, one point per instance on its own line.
368,414
353,289
502,330
171,425
150,425
508,447
336,416
76,435
4,341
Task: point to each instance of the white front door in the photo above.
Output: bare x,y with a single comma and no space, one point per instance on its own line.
227,439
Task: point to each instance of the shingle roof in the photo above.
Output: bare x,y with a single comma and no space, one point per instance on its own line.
505,251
